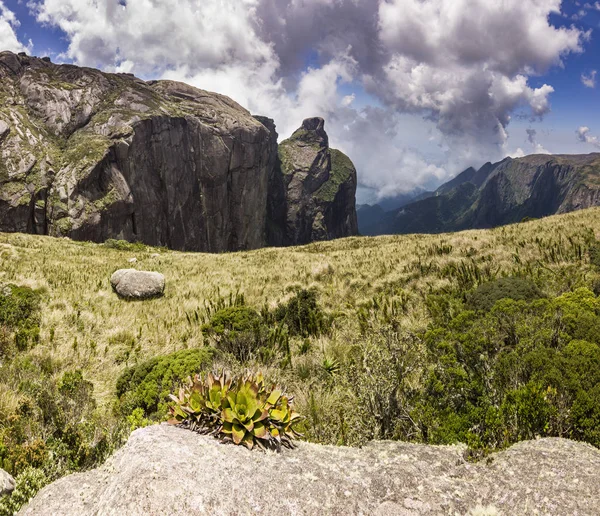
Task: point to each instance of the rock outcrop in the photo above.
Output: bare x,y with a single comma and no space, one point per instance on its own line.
7,483
314,198
93,155
500,193
134,284
168,470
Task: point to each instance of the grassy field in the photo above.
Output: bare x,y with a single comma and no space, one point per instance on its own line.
84,324
419,342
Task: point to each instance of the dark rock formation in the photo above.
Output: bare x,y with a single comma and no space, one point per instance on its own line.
92,156
501,193
168,470
314,199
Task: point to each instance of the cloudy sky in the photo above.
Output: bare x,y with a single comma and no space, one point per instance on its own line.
414,91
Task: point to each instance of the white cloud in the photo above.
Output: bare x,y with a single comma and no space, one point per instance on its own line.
464,65
589,81
583,135
8,36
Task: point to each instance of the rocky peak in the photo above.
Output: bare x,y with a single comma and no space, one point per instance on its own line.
312,132
319,188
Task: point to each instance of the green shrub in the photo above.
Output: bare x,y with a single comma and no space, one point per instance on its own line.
148,385
595,254
28,483
302,315
241,410
238,330
124,245
19,315
484,297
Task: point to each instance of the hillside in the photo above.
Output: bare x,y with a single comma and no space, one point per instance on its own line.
405,337
496,194
93,156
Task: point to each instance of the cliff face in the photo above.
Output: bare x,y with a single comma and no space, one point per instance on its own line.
167,470
92,156
318,187
502,193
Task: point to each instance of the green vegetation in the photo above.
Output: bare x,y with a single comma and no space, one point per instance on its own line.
147,386
241,410
485,337
341,170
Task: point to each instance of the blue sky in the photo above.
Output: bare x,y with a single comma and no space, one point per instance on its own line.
414,91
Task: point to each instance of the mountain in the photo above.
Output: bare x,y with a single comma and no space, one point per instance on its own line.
501,193
314,189
93,156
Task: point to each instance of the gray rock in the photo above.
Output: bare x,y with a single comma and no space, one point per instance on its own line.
314,199
167,470
7,483
134,284
4,130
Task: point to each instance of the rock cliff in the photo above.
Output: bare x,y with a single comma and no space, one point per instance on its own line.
167,470
501,193
93,155
316,190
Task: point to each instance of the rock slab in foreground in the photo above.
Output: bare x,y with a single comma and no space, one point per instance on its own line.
7,483
134,284
167,470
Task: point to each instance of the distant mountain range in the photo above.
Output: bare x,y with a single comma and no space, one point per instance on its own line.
496,194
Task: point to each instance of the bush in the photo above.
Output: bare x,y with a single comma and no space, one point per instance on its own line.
238,330
27,485
148,385
124,245
241,410
484,297
19,315
302,315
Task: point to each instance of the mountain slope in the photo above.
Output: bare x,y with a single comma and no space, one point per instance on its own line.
502,193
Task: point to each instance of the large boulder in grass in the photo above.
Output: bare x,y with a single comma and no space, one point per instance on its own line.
134,284
169,470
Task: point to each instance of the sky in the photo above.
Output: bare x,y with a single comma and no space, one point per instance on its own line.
414,91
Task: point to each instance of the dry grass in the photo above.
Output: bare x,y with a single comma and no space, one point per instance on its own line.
86,326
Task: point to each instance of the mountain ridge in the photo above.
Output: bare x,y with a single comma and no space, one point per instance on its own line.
500,193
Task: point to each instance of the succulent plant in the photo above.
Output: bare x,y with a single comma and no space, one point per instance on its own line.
241,410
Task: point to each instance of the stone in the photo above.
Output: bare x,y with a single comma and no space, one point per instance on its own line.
134,284
132,260
7,483
169,470
4,130
314,196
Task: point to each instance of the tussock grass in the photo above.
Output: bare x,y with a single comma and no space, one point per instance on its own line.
84,324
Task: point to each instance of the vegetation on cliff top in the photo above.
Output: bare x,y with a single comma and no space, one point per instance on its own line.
402,337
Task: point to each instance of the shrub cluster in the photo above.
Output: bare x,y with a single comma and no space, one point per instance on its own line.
147,386
485,296
19,318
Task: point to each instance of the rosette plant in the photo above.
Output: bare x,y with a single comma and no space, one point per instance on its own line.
240,410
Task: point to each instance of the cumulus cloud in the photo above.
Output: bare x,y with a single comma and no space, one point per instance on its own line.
538,148
583,135
8,25
463,65
589,80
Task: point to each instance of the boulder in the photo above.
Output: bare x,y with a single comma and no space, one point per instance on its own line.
134,284
7,483
168,470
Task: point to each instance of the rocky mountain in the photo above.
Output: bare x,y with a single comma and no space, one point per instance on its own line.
168,470
93,155
500,193
315,190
